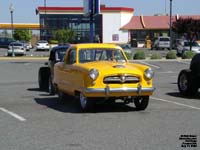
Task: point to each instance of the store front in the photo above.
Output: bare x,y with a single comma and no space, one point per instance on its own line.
106,27
76,22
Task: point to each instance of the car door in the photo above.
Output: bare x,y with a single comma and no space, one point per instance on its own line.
68,71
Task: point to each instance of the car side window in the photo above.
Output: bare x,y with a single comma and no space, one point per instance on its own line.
71,56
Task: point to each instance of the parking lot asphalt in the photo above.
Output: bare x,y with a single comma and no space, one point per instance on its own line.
31,119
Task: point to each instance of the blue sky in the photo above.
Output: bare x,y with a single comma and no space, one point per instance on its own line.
24,10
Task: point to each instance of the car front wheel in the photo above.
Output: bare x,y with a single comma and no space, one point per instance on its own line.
186,83
85,103
141,103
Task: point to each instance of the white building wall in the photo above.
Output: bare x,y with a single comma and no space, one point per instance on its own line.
112,22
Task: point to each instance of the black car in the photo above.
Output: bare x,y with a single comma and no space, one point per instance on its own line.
189,79
46,73
4,42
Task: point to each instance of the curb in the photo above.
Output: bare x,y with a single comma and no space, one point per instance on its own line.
24,58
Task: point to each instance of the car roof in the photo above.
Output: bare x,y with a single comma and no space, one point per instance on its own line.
16,42
59,47
96,45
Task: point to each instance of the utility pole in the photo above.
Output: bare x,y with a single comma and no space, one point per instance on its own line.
45,15
11,13
170,31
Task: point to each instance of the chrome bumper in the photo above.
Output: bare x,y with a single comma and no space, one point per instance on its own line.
108,90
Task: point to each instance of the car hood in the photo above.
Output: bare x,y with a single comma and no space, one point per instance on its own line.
106,67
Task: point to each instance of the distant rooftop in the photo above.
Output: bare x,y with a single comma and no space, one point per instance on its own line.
103,8
153,22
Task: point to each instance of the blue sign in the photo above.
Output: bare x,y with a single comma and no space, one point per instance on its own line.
91,7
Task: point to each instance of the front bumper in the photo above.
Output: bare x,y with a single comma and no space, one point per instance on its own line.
16,52
118,92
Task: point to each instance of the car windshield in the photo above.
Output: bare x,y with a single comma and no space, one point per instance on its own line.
42,42
100,54
192,44
16,44
164,39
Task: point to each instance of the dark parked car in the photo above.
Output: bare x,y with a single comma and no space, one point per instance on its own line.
4,42
126,47
46,73
189,79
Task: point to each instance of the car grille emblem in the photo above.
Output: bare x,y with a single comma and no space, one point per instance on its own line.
123,79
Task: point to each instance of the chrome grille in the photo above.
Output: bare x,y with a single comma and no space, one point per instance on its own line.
120,79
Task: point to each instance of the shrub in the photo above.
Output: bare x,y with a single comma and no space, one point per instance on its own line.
156,56
188,54
139,55
171,55
53,42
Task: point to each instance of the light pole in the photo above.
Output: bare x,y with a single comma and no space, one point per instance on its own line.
170,31
11,13
45,15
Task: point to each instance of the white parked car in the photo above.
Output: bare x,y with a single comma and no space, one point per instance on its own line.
185,46
17,48
27,45
42,45
161,42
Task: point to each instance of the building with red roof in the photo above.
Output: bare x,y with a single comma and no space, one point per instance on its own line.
140,27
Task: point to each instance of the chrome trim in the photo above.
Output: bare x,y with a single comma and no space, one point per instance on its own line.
107,90
121,79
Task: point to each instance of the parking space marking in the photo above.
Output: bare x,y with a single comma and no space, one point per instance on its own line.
180,104
148,64
12,114
167,72
184,62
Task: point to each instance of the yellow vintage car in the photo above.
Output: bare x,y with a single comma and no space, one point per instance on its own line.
92,72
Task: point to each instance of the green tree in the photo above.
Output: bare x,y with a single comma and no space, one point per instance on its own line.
22,34
65,35
189,26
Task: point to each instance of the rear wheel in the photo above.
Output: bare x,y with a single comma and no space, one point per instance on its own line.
141,103
43,78
187,84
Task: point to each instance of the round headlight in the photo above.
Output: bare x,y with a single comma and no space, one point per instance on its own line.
149,73
94,73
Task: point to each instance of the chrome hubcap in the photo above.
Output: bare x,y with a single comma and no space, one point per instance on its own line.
50,85
183,82
83,101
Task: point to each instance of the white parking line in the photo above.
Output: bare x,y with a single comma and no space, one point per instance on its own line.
180,104
148,64
167,72
183,62
13,114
